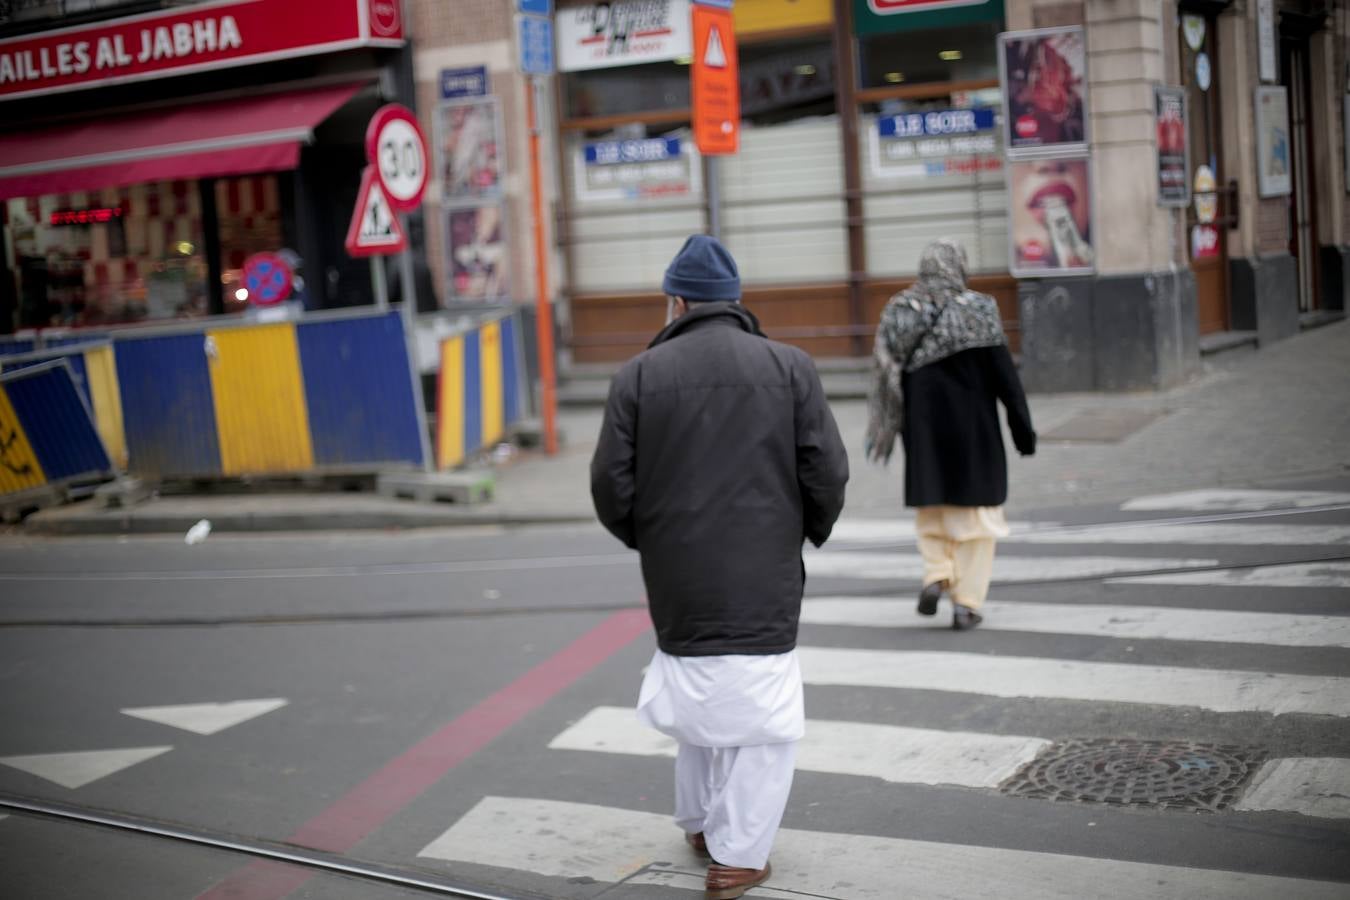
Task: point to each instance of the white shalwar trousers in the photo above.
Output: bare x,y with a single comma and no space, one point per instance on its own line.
737,720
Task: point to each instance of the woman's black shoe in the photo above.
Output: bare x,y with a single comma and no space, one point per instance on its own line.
929,597
965,618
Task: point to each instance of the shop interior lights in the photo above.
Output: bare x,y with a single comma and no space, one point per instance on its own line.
895,77
93,216
950,55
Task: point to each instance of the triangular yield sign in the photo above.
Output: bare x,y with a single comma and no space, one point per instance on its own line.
715,55
73,770
374,228
206,718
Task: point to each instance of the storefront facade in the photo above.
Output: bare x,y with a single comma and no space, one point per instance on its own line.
1186,242
146,152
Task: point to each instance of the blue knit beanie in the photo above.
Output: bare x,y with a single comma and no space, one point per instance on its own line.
703,271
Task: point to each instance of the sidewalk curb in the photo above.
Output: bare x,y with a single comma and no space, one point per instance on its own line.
248,522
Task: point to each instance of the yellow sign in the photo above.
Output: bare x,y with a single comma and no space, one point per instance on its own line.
753,16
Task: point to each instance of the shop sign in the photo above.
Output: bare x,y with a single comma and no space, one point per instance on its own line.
456,83
714,82
886,16
95,216
622,33
1206,199
936,143
1204,242
634,169
754,16
1044,80
1169,106
191,39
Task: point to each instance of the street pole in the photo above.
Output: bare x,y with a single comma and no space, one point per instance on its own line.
712,193
543,307
409,311
379,283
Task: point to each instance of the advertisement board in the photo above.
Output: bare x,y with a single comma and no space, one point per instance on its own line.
1044,78
936,143
1169,107
648,168
1050,223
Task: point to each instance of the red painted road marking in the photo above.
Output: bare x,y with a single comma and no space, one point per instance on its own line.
373,802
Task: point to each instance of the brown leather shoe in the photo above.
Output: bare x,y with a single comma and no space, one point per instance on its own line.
729,882
696,841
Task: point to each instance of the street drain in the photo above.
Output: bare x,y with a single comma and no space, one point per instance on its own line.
1150,774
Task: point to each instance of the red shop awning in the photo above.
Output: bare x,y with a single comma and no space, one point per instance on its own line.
201,140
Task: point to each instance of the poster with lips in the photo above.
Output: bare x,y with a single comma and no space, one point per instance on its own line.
1044,74
1050,217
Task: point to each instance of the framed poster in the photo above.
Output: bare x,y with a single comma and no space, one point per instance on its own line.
468,151
1169,107
1273,175
1044,80
1050,217
476,250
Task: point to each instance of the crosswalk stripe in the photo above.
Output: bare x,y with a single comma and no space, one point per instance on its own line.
1138,622
888,752
578,840
909,566
1311,786
1292,575
1009,676
1234,500
860,531
1209,533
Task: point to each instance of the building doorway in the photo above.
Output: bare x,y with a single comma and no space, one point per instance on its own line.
1206,245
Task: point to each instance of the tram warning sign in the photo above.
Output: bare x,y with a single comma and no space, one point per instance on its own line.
714,81
375,229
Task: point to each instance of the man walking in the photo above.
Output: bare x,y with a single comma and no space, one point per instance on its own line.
718,457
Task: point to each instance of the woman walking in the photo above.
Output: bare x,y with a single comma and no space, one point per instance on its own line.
941,361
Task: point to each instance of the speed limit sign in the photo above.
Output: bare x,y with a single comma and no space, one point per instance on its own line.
397,149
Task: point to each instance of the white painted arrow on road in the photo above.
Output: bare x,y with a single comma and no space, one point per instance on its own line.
75,770
206,718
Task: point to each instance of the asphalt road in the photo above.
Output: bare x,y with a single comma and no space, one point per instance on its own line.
414,683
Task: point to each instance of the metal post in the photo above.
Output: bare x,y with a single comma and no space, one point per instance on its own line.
379,283
712,195
409,291
543,306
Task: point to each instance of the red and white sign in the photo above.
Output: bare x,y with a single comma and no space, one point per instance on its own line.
622,33
891,7
203,36
375,229
1204,242
397,149
714,82
267,278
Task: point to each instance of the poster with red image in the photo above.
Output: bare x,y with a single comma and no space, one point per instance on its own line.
1170,120
1044,74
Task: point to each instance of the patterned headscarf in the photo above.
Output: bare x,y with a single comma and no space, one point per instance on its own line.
938,316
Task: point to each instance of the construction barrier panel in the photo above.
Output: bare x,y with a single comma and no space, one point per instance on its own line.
332,392
95,375
47,435
478,394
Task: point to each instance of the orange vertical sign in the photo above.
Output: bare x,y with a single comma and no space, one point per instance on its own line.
714,81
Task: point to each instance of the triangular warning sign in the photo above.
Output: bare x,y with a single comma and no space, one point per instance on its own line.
375,228
715,55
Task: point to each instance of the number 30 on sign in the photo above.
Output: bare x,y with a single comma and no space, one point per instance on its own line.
397,149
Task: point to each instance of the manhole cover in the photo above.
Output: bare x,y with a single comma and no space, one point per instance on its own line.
1124,772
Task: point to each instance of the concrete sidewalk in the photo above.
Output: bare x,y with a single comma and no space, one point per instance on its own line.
1282,413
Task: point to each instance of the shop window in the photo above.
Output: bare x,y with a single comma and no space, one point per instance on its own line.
964,54
934,166
111,256
248,210
627,90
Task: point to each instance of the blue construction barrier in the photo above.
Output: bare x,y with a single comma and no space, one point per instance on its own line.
48,439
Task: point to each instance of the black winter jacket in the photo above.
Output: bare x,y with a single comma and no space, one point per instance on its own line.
718,456
953,445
